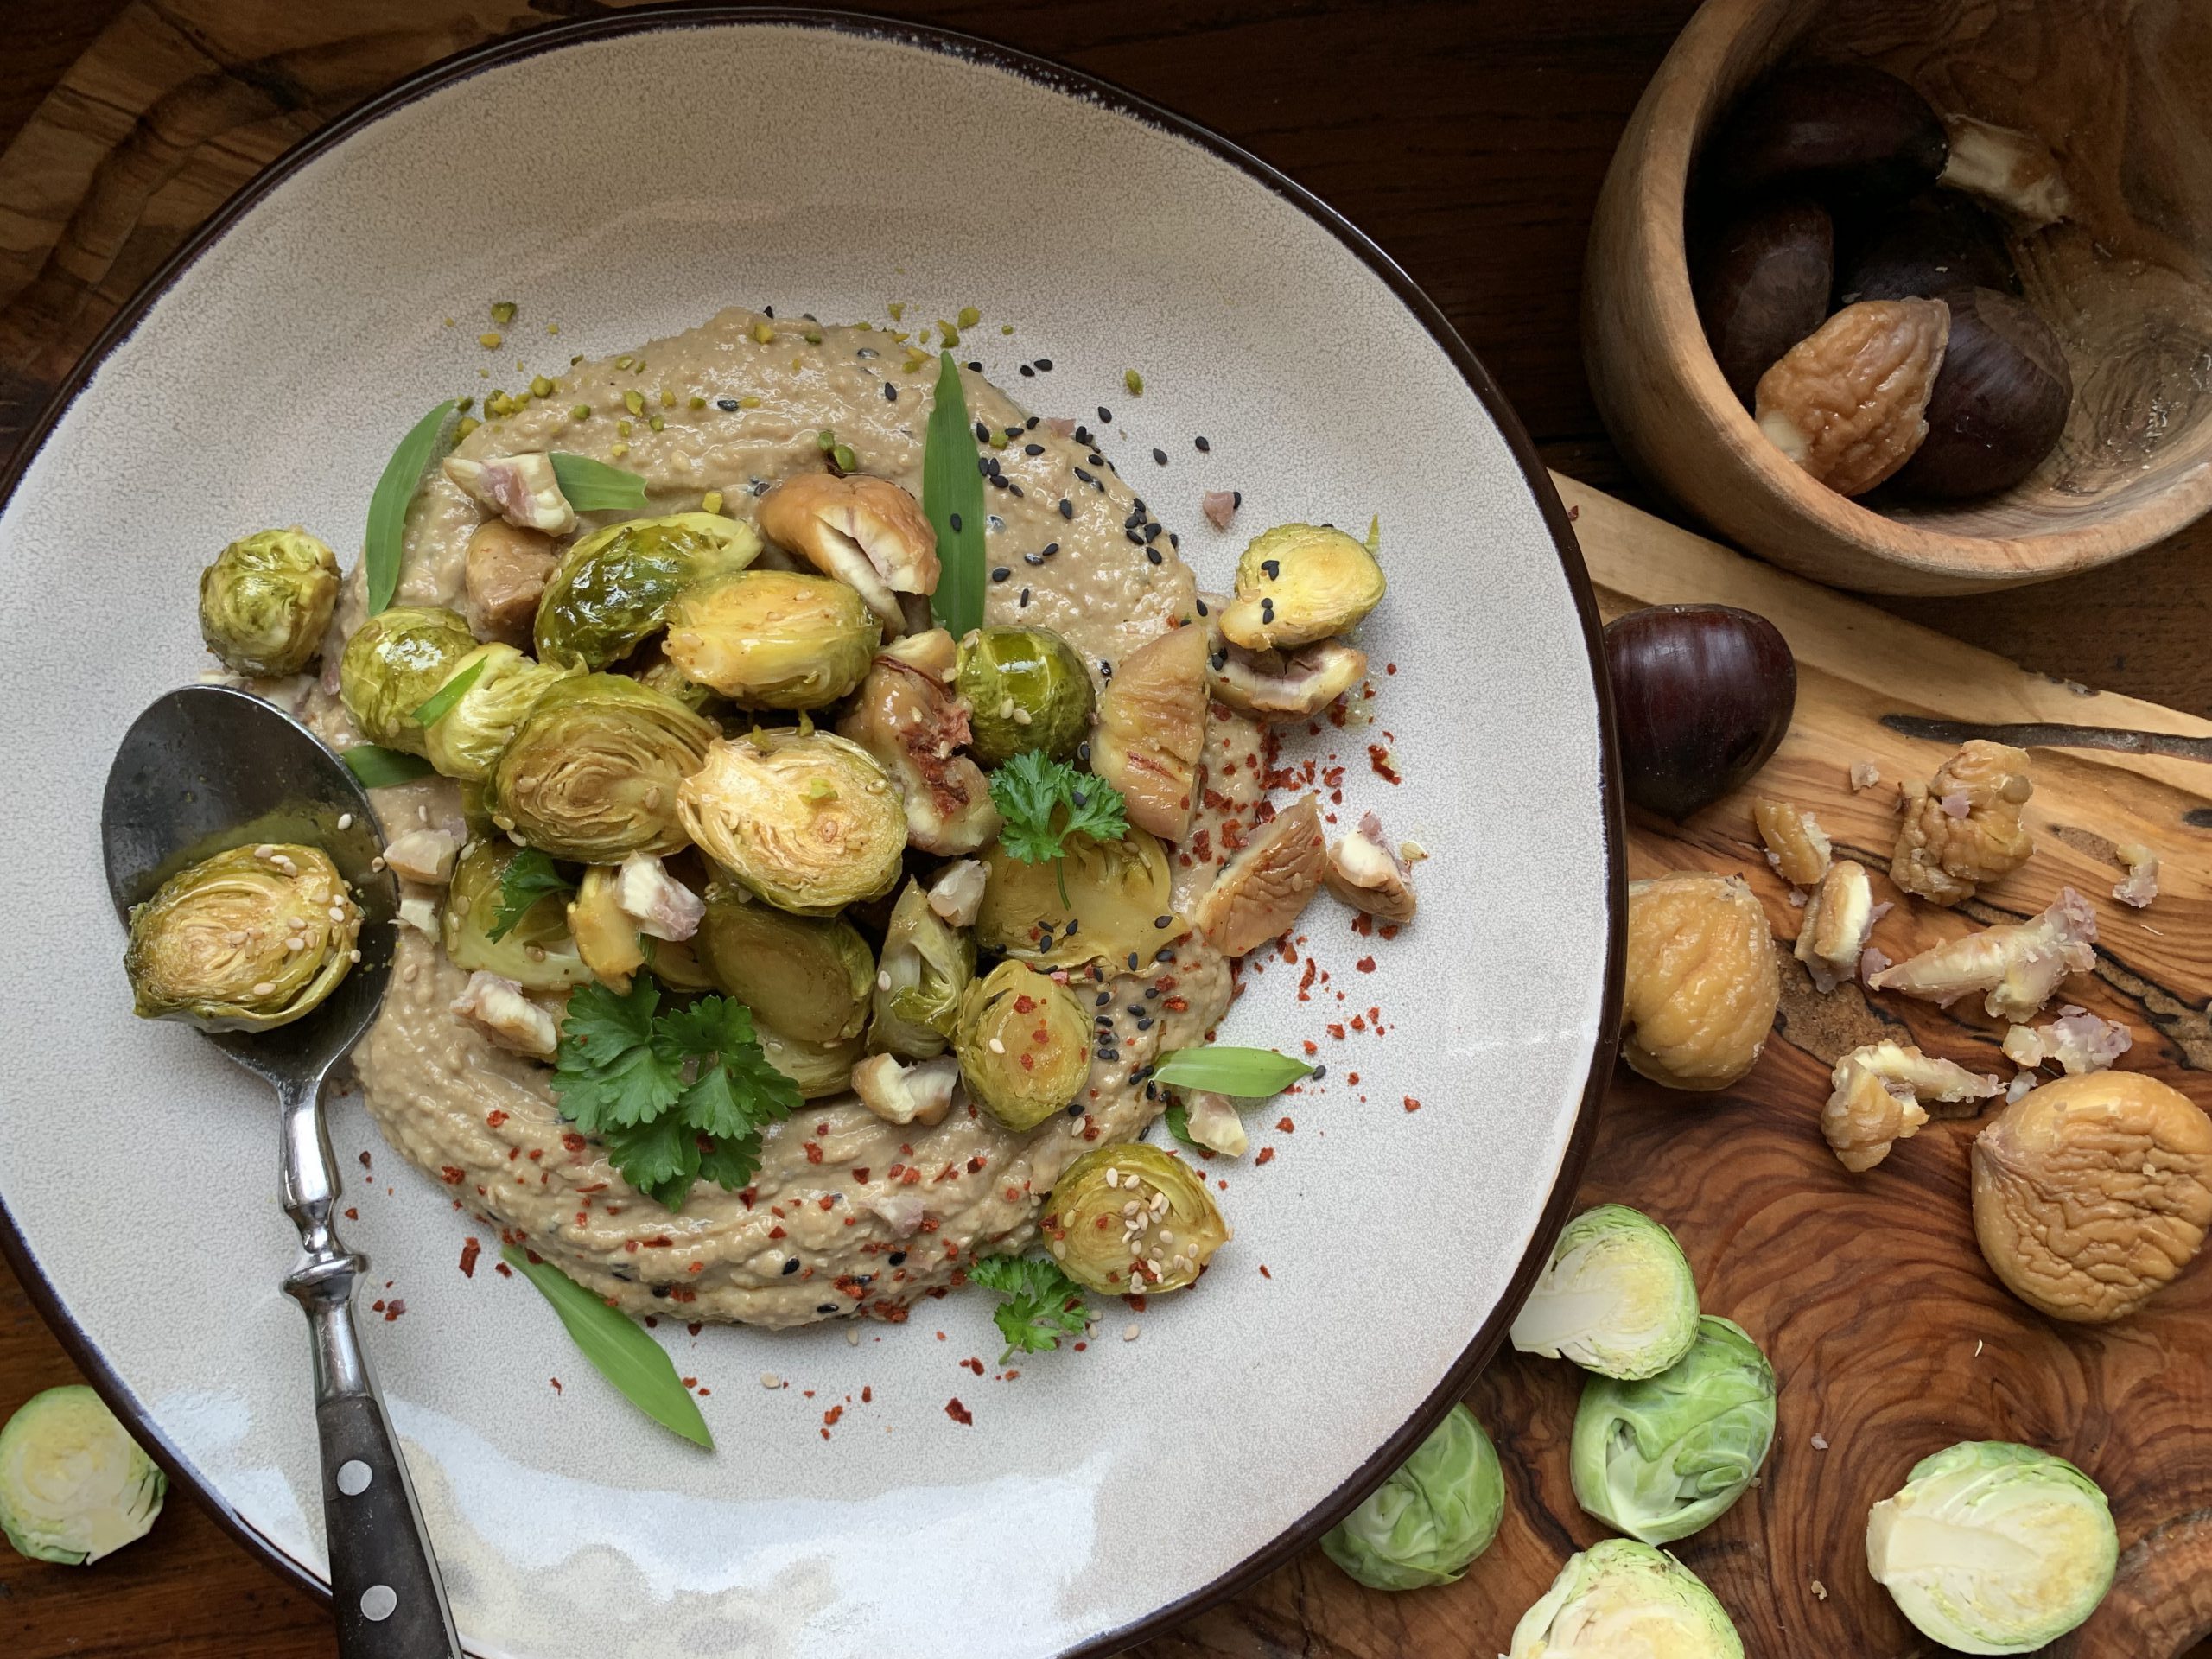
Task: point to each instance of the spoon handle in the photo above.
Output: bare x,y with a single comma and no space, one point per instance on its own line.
388,1598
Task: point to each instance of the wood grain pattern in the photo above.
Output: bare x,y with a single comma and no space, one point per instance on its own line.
1471,141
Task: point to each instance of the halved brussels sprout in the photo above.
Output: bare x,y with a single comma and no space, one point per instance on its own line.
244,941
464,740
809,977
1152,731
606,938
818,1069
74,1485
613,589
1620,1599
670,681
591,773
1026,689
1024,1042
538,953
1297,584
806,820
393,663
1101,1243
265,603
1118,891
925,967
773,638
1439,1510
1617,1298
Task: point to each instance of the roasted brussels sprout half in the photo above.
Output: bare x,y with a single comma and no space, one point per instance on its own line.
818,1069
1620,1599
806,820
1617,1297
612,590
670,681
74,1485
1118,891
591,774
244,941
537,951
925,967
1024,1042
773,638
1026,689
393,663
607,937
810,977
1437,1510
464,740
1164,1243
1297,584
265,603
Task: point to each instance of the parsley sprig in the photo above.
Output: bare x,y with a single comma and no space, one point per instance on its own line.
529,876
675,1097
1045,801
1042,1304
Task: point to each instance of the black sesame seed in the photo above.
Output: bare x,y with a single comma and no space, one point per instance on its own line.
1144,1025
1173,540
826,1307
1083,437
1134,536
1133,958
1082,749
1011,431
728,405
1025,599
1204,448
1153,554
1029,373
890,393
661,1290
1160,457
1273,567
1075,1110
1000,574
898,1258
1163,956
1219,660
1074,922
866,351
1105,997
984,466
1267,610
1105,669
1029,425
1152,990
1152,1091
1134,518
1016,488
1143,511
767,310
1032,558
997,524
1319,1072
1067,508
1032,449
975,368
1096,460
1163,921
954,519
1202,609
1105,415
982,433
792,1266
759,486
1043,365
1152,533
1050,547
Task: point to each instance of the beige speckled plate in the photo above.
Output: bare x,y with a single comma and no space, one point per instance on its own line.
627,176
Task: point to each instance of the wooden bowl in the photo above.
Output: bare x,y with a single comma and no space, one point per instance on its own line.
2118,91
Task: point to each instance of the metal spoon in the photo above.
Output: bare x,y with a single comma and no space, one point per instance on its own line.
204,769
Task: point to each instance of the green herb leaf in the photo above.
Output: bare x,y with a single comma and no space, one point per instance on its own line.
1042,1305
439,703
594,486
619,1348
388,504
529,877
1045,801
379,768
952,497
1177,1117
1248,1073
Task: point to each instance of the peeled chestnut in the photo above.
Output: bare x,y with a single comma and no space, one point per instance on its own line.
1703,694
1762,282
1999,403
1927,247
1857,138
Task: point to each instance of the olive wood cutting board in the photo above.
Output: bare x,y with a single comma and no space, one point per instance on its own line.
1891,1336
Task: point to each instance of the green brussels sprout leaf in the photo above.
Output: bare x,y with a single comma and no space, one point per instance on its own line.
952,499
617,1348
381,768
439,703
74,1485
1042,1305
1248,1073
388,504
594,486
529,876
1438,1512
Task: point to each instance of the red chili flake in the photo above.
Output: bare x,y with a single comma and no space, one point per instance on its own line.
823,1433
1264,1273
976,1164
1359,1022
470,1249
748,1195
1025,1003
859,1175
536,1153
830,1417
503,1270
1175,1005
1412,1105
690,1382
695,1327
1136,1303
660,1242
679,1294
958,1413
452,1177
1573,513
813,1153
1028,1061
1266,1156
1336,1031
974,1364
867,1395
1286,1125
1014,1195
1363,924
556,1381
376,1307
352,1214
1365,964
493,1119
1379,758
397,1308
911,1177
828,1201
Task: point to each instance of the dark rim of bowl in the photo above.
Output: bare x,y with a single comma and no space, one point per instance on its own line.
512,48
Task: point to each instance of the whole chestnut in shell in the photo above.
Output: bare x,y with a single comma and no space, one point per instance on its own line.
1856,137
1927,247
1762,280
1703,694
2000,401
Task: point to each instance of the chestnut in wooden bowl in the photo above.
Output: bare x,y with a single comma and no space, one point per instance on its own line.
2124,282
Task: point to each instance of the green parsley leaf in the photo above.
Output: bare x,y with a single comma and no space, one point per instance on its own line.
594,486
655,1156
388,506
1042,1305
440,702
617,1348
1045,801
1177,1117
1248,1073
529,877
608,1071
379,768
952,499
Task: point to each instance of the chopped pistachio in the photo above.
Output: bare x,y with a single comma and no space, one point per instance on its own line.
667,399
489,342
698,402
503,312
465,405
1133,381
915,359
448,322
657,423
897,310
765,333
970,316
541,387
464,427
622,429
748,402
580,412
621,362
947,334
577,358
811,337
824,439
711,502
847,462
634,402
619,450
552,328
1006,327
901,335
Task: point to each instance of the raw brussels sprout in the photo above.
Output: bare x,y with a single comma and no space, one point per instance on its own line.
927,967
809,977
773,638
74,1485
1620,1599
591,773
1026,689
606,936
1024,1042
393,663
1436,1513
1662,1458
1617,1298
818,1069
1993,1547
538,953
1117,892
265,603
806,820
1158,1246
466,739
1297,584
215,946
613,589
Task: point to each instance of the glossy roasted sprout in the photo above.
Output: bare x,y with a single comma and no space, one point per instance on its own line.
612,590
464,740
536,952
818,1069
1298,583
1436,1513
1160,1225
1152,731
1661,1457
807,820
773,638
866,532
75,1486
1621,1600
907,715
591,773
1118,892
1617,1298
266,602
393,663
1024,1044
927,967
810,977
249,940
1026,689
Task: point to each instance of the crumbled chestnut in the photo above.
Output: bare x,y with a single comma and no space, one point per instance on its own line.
2000,401
1703,694
1854,135
1762,282
1932,245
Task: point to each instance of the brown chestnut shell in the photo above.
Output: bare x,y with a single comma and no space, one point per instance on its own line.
1999,403
1762,280
1931,245
1854,135
1702,694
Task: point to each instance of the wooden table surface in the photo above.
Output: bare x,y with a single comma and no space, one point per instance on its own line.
1468,137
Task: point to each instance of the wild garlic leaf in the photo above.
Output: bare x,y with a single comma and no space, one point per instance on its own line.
381,768
380,548
617,1348
952,499
1248,1073
439,703
594,486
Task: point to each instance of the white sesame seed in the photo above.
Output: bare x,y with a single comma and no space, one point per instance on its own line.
1113,1178
1153,1269
296,943
996,1046
345,820
1166,1236
1820,1443
264,988
352,955
770,1380
1129,1335
1130,1208
883,982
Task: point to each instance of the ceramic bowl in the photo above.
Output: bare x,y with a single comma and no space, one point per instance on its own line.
623,177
